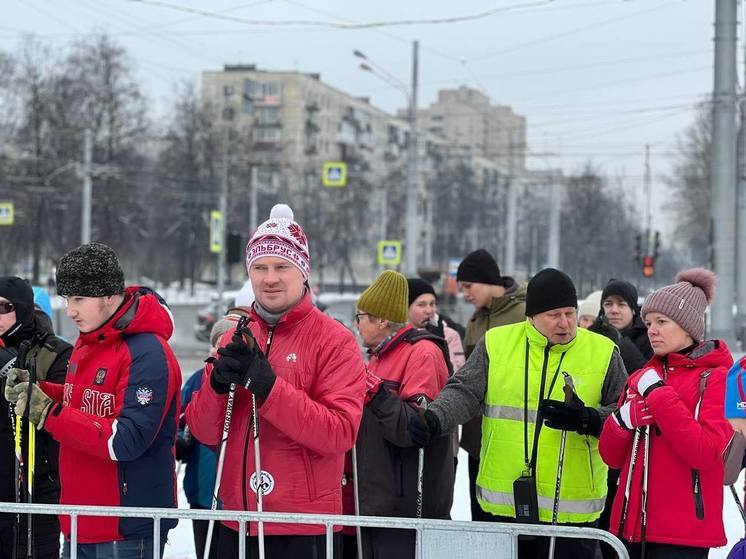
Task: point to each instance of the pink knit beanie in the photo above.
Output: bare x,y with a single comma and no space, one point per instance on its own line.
685,301
282,237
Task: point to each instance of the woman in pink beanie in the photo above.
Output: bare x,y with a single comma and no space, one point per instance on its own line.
668,434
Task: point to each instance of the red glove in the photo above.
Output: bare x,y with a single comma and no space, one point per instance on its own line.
647,381
633,413
372,385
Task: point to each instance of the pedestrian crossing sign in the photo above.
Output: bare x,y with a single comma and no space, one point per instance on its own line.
389,253
216,232
6,213
334,174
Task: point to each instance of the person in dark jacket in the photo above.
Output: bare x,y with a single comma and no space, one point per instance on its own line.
407,369
619,305
48,355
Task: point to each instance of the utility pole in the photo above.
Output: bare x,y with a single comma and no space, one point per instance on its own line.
723,170
85,218
412,230
648,194
223,209
429,206
555,207
512,208
741,226
253,197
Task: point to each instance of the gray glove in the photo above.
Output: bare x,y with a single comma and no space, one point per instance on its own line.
12,381
38,407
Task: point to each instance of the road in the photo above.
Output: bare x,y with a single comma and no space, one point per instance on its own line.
190,352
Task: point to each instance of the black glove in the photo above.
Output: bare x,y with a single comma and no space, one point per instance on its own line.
571,416
244,366
422,429
184,449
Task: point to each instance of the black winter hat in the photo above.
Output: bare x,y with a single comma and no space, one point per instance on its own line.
417,287
550,289
19,292
622,289
479,267
90,270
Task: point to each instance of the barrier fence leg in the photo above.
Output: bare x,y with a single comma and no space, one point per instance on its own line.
73,536
157,537
356,495
329,541
242,539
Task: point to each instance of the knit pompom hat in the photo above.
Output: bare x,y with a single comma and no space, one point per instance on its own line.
387,297
591,305
685,301
282,237
90,270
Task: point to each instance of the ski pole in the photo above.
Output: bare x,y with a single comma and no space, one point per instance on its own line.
422,407
242,323
645,467
221,455
31,458
356,495
18,480
628,485
569,390
259,481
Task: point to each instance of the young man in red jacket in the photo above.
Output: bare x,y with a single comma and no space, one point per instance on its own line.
307,375
407,369
115,417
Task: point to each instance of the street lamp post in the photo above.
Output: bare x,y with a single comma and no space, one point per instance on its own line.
412,225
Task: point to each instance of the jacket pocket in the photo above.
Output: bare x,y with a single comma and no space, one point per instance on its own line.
699,503
398,472
591,476
310,481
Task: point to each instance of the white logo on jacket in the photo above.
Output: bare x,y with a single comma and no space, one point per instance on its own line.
268,482
292,357
97,403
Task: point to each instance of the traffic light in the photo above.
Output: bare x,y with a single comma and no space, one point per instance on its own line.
638,248
648,266
656,244
235,248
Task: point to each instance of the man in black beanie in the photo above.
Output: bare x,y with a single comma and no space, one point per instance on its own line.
517,375
48,356
116,419
498,300
619,305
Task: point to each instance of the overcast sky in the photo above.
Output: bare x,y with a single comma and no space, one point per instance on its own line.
596,79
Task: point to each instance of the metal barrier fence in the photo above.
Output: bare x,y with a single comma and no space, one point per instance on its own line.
436,539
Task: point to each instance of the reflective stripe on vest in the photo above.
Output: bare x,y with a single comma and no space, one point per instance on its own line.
574,507
509,412
505,429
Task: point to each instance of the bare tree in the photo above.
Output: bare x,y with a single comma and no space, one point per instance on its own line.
690,187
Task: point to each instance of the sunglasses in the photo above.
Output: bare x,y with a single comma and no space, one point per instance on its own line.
6,307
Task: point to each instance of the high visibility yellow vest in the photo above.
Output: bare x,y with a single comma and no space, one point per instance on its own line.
502,460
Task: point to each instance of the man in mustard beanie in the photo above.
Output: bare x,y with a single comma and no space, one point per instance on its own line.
406,370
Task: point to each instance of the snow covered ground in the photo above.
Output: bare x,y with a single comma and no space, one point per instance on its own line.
181,542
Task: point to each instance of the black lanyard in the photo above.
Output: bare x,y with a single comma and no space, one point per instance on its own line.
531,461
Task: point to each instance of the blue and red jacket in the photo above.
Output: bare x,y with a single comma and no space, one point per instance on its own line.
116,419
735,391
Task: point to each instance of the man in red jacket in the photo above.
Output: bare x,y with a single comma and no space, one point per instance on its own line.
307,375
115,417
407,369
